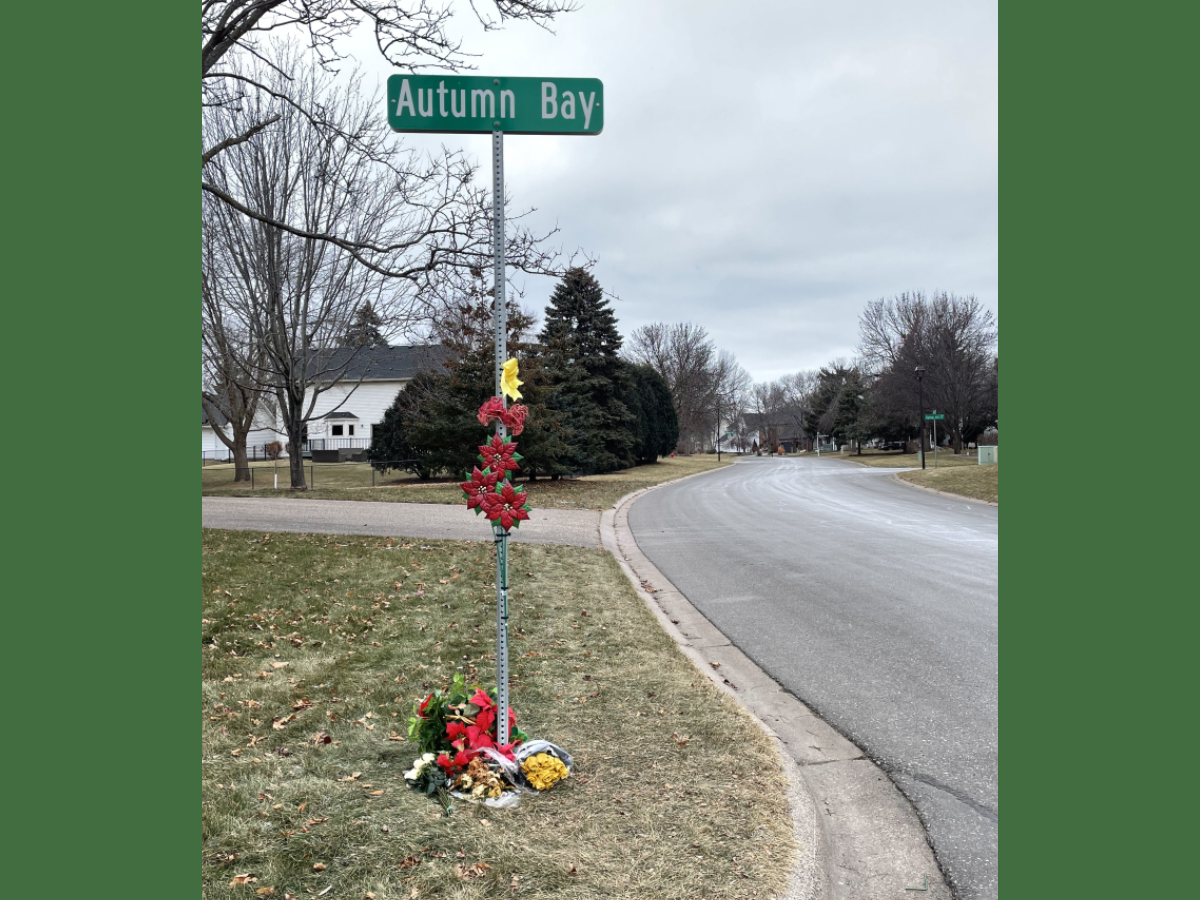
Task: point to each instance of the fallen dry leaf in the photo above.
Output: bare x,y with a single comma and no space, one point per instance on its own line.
477,870
279,665
409,862
266,892
318,867
240,880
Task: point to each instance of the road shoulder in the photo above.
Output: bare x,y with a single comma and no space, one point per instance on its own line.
859,838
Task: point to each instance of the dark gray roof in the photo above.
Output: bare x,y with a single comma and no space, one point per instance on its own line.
220,420
382,363
340,414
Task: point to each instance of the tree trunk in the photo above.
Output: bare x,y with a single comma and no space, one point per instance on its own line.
295,430
241,461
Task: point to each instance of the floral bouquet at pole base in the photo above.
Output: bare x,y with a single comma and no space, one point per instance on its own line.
455,730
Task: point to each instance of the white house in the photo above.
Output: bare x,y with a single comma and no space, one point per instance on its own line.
345,413
263,432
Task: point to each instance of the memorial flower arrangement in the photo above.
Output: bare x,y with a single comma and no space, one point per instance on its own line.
456,728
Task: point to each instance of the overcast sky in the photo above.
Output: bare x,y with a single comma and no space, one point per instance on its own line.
766,168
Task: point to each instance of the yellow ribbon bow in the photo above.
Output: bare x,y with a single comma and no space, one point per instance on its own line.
509,382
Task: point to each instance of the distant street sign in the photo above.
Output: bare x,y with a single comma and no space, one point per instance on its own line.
935,417
474,104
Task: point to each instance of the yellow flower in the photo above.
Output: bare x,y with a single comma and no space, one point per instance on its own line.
544,770
509,382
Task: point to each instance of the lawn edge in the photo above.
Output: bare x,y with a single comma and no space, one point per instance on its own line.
920,487
873,837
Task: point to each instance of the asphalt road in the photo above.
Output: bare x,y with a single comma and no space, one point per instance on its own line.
580,528
873,603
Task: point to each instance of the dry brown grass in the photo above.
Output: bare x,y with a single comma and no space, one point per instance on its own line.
352,481
675,792
977,482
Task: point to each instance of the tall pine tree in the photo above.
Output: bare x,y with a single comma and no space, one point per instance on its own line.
587,379
366,329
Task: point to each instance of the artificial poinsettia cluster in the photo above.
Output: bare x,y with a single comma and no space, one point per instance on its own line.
490,490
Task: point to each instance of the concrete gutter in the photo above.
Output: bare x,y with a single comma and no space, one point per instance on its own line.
858,837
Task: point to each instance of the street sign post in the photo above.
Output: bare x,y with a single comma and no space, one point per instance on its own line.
474,104
934,416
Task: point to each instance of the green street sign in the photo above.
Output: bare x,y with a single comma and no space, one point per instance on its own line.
474,104
936,417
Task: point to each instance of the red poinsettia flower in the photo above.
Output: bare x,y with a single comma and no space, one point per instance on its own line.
506,507
493,408
455,730
424,706
499,455
514,418
481,699
480,485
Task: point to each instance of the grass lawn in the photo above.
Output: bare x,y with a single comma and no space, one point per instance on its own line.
314,648
352,481
876,459
976,482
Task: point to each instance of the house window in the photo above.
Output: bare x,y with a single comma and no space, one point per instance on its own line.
351,427
337,430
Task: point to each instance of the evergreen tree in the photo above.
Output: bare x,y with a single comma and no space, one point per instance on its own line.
580,345
656,427
434,418
364,329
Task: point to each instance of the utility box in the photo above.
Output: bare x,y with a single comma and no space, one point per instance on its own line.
989,456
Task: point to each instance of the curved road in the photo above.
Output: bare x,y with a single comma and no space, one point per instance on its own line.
873,603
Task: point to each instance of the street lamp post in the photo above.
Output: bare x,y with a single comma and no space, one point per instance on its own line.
920,370
718,427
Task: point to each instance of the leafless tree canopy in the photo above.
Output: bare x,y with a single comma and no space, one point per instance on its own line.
703,380
953,338
408,33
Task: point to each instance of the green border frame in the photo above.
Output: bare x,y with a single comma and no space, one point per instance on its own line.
101,731
1098,250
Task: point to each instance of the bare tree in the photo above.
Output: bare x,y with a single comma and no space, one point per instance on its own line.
796,401
409,34
292,297
954,338
766,401
730,389
230,363
684,356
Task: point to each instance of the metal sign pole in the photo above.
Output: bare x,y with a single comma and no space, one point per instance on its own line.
500,321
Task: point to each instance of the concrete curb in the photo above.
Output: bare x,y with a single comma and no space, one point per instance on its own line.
859,838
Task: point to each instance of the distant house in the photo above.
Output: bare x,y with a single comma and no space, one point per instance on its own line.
346,413
778,428
210,445
263,432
